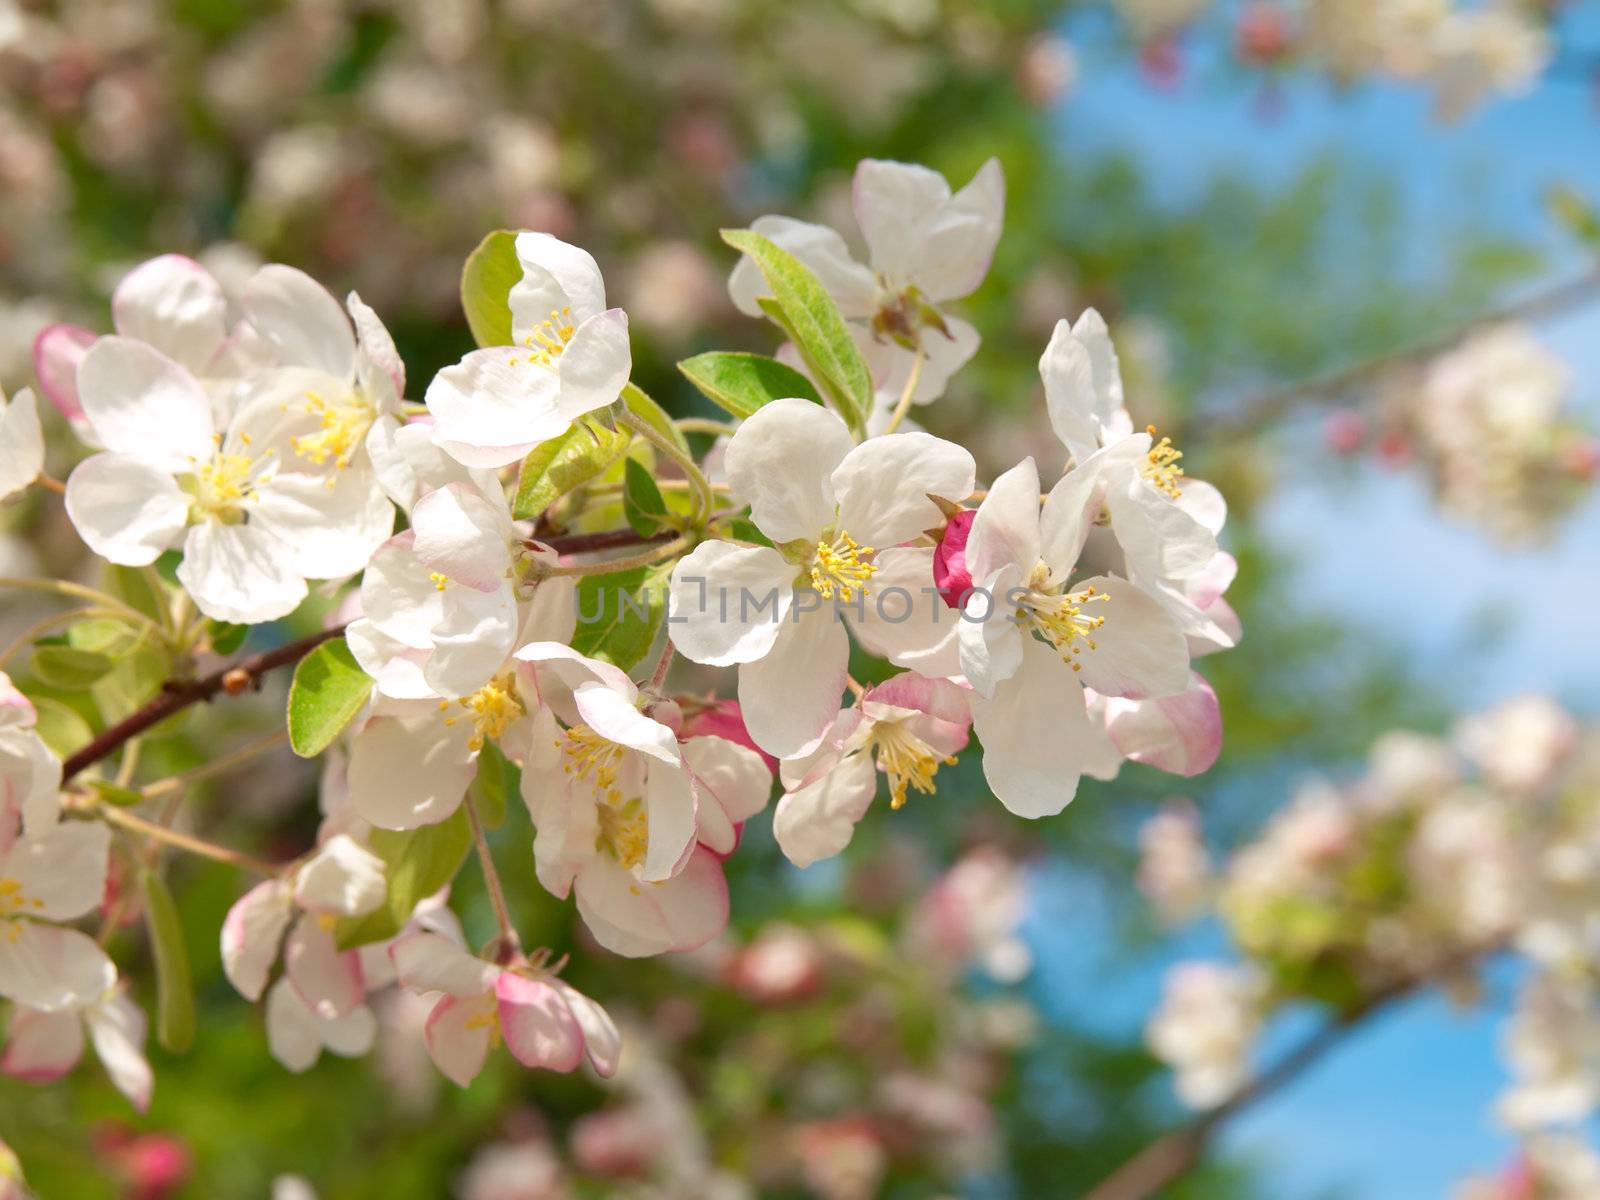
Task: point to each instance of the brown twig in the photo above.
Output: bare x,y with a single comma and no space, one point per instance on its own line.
610,539
177,695
1251,413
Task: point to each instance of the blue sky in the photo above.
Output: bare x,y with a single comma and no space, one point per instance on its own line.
1402,1112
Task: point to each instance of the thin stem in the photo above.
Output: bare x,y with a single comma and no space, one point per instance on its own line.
704,425
606,539
491,879
663,665
627,562
51,484
78,591
129,762
691,469
1255,411
177,695
217,766
182,841
903,405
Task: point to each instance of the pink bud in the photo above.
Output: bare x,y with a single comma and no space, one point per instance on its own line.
616,1143
722,719
1581,458
1344,431
782,965
57,351
1262,34
1162,64
950,574
1394,448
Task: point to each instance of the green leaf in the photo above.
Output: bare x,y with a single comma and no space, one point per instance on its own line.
742,383
329,688
418,862
813,321
1574,211
132,682
491,271
496,781
104,635
174,988
226,638
140,589
746,531
554,468
64,667
61,727
653,415
642,504
620,614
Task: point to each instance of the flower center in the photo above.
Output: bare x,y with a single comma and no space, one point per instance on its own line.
1058,616
624,830
486,1015
908,761
587,755
13,900
549,338
222,485
1161,465
494,707
837,566
342,426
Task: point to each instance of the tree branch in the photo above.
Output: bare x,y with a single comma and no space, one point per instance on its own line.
588,543
177,695
1267,406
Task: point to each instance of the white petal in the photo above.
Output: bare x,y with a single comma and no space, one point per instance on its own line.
1036,734
411,771
237,573
50,967
41,1047
118,1029
343,878
595,365
613,716
472,640
732,781
294,1034
61,870
464,536
1069,513
57,352
555,275
727,603
821,249
1160,539
1140,650
790,697
894,204
989,641
635,919
539,1028
494,406
429,962
669,802
21,443
601,1040
252,933
300,320
1069,392
957,244
328,527
326,978
175,304
818,820
380,371
1180,734
144,405
1006,529
780,463
1204,503
903,618
125,510
883,486
457,1035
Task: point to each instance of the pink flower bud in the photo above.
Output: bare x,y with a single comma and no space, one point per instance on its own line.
950,574
1344,431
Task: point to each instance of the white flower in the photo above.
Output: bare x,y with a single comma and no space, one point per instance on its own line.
1519,744
21,443
1033,637
1208,1021
925,247
838,513
569,356
253,524
30,776
629,820
41,1047
905,728
1552,1046
543,1021
297,1035
349,383
1174,868
54,874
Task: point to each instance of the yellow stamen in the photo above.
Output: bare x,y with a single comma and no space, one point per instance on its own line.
439,579
486,1016
220,487
908,761
343,425
494,707
838,566
549,338
1161,465
1059,618
587,755
624,831
14,900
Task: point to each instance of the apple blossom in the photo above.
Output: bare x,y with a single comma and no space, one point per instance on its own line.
543,1021
1205,1028
905,728
56,873
43,1046
838,514
569,356
21,443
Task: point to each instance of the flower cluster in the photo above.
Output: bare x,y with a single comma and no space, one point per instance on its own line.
1490,423
1464,53
1444,853
560,546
